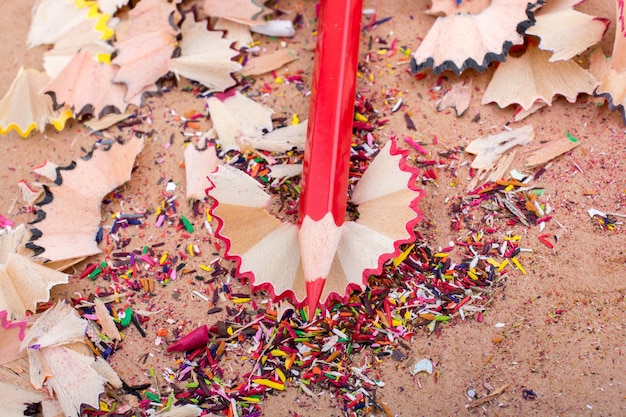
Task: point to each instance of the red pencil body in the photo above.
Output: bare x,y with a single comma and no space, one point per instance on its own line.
327,152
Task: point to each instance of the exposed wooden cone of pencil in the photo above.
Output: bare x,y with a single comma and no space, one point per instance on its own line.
268,252
474,39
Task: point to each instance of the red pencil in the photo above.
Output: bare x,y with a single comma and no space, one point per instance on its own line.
324,196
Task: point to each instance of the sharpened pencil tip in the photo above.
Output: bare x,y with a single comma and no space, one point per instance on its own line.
314,293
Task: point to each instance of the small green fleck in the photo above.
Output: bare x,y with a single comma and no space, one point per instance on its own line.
186,223
128,315
153,397
95,273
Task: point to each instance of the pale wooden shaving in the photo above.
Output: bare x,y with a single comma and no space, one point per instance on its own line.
24,283
613,79
550,150
268,62
110,6
282,139
106,121
236,33
521,114
241,11
24,107
106,321
462,41
149,16
230,123
565,31
491,159
205,56
16,399
61,362
80,38
143,59
81,192
75,378
59,325
87,86
532,77
53,19
452,7
458,98
198,165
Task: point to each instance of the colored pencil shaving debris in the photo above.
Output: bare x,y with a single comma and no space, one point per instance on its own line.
288,349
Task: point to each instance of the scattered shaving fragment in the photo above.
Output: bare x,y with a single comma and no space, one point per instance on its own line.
521,114
532,77
106,321
277,28
226,114
550,150
491,160
282,139
198,165
269,62
458,98
280,171
106,121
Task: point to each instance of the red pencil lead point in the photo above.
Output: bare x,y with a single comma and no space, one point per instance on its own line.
192,340
314,293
